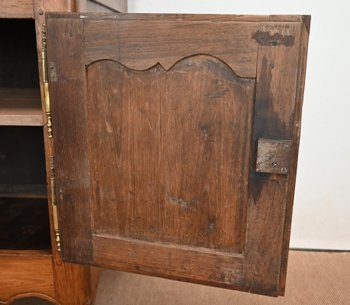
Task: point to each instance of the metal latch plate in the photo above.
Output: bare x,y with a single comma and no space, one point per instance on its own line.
273,156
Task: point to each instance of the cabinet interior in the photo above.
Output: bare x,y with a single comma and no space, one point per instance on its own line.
24,221
18,54
19,80
24,217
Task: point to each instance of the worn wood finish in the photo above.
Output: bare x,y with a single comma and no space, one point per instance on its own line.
304,39
169,261
274,107
40,8
140,136
228,42
82,286
16,9
79,199
182,17
163,130
74,284
25,273
49,279
82,279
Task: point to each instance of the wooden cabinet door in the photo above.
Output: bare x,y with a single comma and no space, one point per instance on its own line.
176,140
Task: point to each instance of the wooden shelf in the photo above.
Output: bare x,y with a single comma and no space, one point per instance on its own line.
34,191
20,107
16,9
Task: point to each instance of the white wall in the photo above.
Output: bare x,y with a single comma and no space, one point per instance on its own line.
321,216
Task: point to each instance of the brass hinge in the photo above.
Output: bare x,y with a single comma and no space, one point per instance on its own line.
54,203
49,132
45,82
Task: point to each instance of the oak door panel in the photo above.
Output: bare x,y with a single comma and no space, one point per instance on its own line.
166,41
166,166
156,141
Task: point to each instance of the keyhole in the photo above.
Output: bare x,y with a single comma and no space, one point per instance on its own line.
274,164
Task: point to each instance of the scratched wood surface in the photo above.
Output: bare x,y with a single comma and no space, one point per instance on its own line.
171,167
156,141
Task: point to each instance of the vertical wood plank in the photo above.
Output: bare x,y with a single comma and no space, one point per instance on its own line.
109,100
304,38
206,126
66,36
275,106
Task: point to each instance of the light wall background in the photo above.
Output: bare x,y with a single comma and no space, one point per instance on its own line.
321,218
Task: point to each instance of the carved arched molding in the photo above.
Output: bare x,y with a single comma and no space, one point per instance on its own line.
186,62
20,296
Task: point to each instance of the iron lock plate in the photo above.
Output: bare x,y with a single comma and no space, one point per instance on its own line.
273,156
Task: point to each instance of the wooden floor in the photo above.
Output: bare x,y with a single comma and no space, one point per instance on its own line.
314,278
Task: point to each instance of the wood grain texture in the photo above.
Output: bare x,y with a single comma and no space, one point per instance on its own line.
123,42
16,9
303,49
74,284
30,273
275,106
140,114
181,17
168,136
30,296
170,261
23,273
77,183
42,7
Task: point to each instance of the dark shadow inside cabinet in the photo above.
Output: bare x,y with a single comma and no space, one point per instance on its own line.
24,220
24,215
18,54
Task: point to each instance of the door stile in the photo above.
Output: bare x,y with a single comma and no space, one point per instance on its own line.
273,119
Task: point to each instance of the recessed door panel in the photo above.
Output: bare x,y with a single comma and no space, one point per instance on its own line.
156,125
